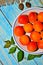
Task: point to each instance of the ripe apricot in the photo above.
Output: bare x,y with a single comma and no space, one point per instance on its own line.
38,26
28,27
41,34
35,36
32,17
40,44
18,31
40,16
24,40
23,19
32,46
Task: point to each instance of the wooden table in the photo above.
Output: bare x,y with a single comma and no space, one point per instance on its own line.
7,16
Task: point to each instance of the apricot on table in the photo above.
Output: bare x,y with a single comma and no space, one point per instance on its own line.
40,16
28,27
33,16
24,40
18,31
32,46
38,26
40,44
23,19
35,36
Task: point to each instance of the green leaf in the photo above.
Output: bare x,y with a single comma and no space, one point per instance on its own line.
12,40
30,56
20,56
12,50
8,44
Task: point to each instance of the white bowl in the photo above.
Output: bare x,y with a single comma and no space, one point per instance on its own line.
24,48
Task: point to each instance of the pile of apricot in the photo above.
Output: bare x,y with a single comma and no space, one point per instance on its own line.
33,25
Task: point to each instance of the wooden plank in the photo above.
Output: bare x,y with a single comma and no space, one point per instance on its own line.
11,12
4,56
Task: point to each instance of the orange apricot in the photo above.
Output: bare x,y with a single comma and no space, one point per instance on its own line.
23,19
32,17
35,36
32,46
40,16
18,31
40,44
28,27
24,40
38,26
41,34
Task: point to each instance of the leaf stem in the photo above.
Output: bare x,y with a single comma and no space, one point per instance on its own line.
18,48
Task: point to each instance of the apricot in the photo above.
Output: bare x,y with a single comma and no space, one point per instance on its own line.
40,44
38,26
35,36
41,34
32,17
24,40
18,31
28,27
40,16
32,46
23,19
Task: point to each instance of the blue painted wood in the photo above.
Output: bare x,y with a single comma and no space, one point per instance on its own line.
11,13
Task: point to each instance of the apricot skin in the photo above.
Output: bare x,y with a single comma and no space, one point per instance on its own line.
35,36
32,46
40,44
24,40
40,16
41,34
23,19
28,27
38,26
18,31
32,17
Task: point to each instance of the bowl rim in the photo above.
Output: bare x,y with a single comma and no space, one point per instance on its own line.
32,8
